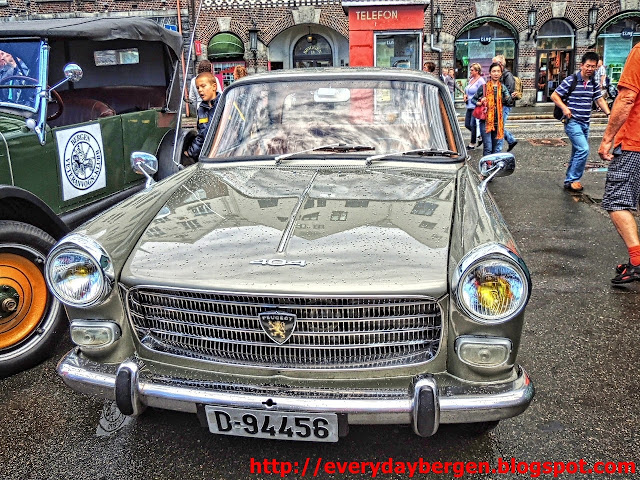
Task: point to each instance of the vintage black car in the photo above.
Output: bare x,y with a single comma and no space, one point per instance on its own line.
77,97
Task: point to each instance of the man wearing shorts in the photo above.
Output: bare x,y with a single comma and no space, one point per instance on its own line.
622,188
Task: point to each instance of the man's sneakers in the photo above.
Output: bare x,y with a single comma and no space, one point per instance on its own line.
626,273
511,145
573,187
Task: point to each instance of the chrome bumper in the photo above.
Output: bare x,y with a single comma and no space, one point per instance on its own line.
424,405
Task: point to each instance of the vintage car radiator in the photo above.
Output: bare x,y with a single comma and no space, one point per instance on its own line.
329,332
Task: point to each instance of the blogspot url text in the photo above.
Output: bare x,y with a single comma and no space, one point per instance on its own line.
313,467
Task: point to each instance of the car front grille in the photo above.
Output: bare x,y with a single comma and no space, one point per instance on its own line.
329,332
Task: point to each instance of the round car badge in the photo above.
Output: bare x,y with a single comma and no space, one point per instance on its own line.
82,160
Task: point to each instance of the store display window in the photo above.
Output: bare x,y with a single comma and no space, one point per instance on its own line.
554,57
398,49
480,44
615,41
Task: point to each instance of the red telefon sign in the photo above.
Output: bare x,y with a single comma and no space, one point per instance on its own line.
198,46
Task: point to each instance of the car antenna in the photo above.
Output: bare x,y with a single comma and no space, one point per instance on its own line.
184,86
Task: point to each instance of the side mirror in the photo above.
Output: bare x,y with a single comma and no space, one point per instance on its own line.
73,72
496,165
144,163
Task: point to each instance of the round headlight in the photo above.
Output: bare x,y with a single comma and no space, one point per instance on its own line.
76,275
493,288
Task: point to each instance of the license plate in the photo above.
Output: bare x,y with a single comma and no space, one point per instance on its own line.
305,427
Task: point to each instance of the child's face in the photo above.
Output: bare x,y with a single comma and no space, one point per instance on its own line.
206,90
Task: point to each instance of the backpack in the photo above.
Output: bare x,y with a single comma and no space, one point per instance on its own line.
517,90
557,111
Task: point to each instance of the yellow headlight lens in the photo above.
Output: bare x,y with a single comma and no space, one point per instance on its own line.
493,290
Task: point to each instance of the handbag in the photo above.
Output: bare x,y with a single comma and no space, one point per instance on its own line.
480,112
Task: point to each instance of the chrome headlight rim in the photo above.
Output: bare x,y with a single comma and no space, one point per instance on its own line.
478,255
83,245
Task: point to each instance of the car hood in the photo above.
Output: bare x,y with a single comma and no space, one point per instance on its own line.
301,230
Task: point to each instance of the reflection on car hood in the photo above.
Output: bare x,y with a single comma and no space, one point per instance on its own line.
357,231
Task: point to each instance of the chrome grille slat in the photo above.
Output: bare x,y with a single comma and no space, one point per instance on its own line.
331,332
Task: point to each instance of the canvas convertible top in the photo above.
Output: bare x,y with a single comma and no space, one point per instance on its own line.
100,29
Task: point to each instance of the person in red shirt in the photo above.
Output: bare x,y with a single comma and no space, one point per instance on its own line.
621,147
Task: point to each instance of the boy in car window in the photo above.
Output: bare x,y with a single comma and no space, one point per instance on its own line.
207,89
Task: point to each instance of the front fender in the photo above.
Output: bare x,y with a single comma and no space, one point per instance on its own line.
119,228
23,206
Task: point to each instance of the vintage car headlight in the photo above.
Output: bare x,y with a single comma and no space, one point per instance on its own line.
79,272
491,284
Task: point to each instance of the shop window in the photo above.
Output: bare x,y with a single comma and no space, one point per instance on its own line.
225,70
615,41
479,43
399,50
556,34
312,50
554,57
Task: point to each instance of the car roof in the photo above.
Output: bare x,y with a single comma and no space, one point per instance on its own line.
377,73
133,28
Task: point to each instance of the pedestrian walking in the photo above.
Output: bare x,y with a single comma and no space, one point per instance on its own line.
508,79
601,77
574,97
449,81
622,186
494,95
476,81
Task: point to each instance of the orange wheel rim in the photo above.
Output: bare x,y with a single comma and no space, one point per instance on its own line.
23,276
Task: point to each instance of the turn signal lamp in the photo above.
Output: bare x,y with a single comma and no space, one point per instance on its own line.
483,352
94,334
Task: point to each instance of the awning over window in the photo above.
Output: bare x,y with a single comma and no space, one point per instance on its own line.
225,45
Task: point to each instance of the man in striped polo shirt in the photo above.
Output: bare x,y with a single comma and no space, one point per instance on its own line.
574,96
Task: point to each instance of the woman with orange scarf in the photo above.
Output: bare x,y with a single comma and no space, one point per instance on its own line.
493,96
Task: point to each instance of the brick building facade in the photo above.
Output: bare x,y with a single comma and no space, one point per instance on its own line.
301,33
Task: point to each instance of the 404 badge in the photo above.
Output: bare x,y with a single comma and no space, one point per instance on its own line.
81,156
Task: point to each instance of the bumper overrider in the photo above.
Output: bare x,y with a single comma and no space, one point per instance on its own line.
424,405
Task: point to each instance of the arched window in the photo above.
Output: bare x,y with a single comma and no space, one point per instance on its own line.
554,56
312,50
556,34
616,39
480,41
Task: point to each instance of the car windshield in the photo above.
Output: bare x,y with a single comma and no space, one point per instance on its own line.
19,73
286,117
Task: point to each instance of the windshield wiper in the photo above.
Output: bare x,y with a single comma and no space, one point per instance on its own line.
424,152
332,147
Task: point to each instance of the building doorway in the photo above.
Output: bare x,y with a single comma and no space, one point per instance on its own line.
554,57
311,51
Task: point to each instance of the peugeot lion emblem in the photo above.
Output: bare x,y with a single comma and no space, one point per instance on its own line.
279,326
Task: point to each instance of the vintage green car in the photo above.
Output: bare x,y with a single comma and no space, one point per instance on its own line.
333,260
65,149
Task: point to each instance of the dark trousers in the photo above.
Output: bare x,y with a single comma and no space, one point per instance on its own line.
470,124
